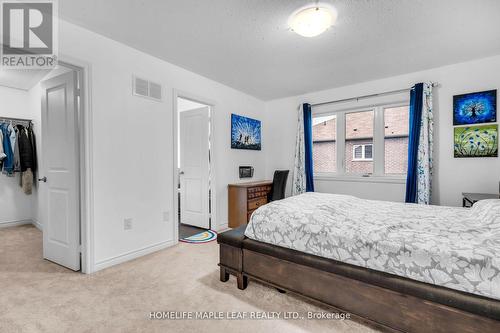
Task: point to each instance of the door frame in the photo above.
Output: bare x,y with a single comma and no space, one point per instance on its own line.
85,138
213,193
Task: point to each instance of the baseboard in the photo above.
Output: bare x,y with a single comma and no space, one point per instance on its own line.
7,224
37,224
221,227
131,255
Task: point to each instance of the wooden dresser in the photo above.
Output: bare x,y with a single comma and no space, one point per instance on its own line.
244,198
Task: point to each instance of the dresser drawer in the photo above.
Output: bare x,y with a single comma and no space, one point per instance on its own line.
257,195
256,203
244,198
257,192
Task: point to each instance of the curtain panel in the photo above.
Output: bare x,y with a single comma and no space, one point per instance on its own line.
420,145
299,167
302,180
425,148
308,145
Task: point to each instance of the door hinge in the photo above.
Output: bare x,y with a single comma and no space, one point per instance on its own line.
80,248
78,92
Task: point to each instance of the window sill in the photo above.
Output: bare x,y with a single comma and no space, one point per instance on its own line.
361,179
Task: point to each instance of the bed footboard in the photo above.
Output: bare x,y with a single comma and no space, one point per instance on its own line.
231,262
382,306
231,256
376,306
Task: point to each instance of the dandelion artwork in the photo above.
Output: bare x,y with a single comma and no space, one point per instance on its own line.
245,133
476,141
475,108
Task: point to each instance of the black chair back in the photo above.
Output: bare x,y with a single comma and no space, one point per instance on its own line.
279,185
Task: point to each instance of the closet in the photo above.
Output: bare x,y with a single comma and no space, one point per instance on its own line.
40,176
18,151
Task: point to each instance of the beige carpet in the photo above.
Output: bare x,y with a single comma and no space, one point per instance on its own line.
39,296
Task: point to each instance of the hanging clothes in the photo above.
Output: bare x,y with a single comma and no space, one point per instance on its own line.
27,160
12,135
31,135
25,150
2,153
15,147
13,143
27,181
8,161
18,154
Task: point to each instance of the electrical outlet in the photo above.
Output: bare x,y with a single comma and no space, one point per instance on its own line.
166,216
127,224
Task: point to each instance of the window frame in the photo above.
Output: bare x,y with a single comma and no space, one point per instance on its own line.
363,157
378,154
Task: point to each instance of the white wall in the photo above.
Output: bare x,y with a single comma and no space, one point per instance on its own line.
15,206
452,176
133,142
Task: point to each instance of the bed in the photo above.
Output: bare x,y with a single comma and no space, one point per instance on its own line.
400,267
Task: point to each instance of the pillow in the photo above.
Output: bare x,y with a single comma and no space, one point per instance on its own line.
486,211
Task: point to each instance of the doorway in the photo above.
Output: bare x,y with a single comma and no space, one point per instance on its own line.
194,167
50,103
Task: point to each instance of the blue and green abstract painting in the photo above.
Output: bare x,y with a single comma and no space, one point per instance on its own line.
476,141
245,133
475,108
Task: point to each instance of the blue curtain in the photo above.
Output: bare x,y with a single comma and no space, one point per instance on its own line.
416,103
308,147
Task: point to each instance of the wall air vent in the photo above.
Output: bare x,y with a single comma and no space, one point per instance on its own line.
148,89
155,90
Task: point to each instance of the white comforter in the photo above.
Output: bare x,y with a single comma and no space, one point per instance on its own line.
458,248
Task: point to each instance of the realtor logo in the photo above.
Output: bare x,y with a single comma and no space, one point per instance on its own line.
29,34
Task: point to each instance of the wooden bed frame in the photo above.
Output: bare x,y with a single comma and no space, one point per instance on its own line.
380,300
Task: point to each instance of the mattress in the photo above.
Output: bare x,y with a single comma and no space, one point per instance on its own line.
457,248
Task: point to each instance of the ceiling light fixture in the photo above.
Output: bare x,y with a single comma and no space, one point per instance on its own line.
312,20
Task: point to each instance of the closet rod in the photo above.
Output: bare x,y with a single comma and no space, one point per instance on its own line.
434,84
21,121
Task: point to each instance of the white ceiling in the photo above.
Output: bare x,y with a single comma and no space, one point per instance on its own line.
246,44
23,79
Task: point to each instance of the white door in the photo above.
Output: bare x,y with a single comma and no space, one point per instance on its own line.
59,185
194,167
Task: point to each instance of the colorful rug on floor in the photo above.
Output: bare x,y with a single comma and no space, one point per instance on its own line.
202,237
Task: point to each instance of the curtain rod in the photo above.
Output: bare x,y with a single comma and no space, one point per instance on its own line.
434,84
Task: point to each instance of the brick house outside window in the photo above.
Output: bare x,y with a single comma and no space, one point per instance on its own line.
359,142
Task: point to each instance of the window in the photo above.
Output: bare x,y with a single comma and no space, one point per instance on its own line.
324,133
372,140
362,153
358,152
396,139
358,135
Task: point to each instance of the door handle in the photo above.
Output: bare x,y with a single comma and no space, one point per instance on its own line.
181,173
44,179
